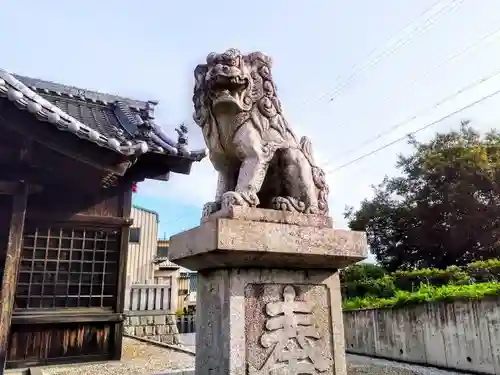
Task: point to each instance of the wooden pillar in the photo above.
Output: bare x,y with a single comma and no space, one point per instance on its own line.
11,268
122,273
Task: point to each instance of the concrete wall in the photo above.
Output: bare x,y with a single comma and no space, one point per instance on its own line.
140,267
157,327
460,335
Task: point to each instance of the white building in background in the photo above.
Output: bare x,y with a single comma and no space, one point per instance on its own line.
182,280
147,261
142,246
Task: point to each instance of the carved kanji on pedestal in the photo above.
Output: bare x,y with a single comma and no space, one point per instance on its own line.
290,328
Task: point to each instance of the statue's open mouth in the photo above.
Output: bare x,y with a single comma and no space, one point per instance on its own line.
224,89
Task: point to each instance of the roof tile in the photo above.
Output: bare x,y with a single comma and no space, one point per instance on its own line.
121,124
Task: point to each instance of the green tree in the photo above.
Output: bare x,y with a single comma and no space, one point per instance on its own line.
444,208
362,271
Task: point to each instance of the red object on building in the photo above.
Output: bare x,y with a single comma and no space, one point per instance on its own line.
134,188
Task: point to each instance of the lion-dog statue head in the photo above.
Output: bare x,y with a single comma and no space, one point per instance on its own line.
236,105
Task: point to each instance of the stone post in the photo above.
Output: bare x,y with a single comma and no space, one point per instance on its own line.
268,299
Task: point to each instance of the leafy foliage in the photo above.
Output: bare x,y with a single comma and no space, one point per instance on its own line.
443,210
361,271
424,294
379,284
482,271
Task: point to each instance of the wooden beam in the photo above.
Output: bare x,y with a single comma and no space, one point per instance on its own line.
58,317
126,203
65,143
10,188
44,177
79,219
11,267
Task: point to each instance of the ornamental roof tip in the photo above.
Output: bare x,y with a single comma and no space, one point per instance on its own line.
123,125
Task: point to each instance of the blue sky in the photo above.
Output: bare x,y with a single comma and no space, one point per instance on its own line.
148,49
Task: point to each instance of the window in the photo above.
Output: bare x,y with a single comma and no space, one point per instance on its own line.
68,268
135,235
162,251
193,281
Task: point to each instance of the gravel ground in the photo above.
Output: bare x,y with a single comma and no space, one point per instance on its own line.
137,358
365,365
146,359
359,364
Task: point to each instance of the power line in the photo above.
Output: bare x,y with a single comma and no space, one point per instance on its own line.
453,4
448,8
387,145
367,63
400,124
415,131
414,117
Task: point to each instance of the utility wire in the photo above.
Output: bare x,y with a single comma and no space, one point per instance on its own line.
451,5
414,117
395,47
448,8
445,9
470,105
489,38
387,145
426,25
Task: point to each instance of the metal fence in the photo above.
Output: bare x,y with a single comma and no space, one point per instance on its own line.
148,298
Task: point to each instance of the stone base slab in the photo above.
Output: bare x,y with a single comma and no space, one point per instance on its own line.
266,321
271,216
242,243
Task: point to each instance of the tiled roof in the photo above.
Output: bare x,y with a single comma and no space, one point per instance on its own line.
123,125
165,263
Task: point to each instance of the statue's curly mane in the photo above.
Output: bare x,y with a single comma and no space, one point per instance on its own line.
235,94
264,106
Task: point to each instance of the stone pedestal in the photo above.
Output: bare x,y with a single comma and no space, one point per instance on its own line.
268,299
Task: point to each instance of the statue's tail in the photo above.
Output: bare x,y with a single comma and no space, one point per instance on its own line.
306,146
319,176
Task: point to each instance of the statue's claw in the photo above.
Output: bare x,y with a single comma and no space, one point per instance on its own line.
209,208
234,198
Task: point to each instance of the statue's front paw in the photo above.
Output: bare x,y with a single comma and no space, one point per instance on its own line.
210,207
233,198
250,197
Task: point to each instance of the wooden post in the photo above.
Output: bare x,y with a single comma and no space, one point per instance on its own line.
122,274
11,268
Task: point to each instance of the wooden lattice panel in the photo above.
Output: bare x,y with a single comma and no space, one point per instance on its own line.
68,268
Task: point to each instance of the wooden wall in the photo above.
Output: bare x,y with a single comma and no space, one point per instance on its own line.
5,212
39,344
60,200
71,234
59,220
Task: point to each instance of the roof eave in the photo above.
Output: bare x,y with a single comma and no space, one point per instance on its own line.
26,98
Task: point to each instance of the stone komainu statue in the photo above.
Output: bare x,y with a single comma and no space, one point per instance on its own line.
260,161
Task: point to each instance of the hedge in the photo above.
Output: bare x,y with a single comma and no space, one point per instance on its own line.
425,294
361,280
